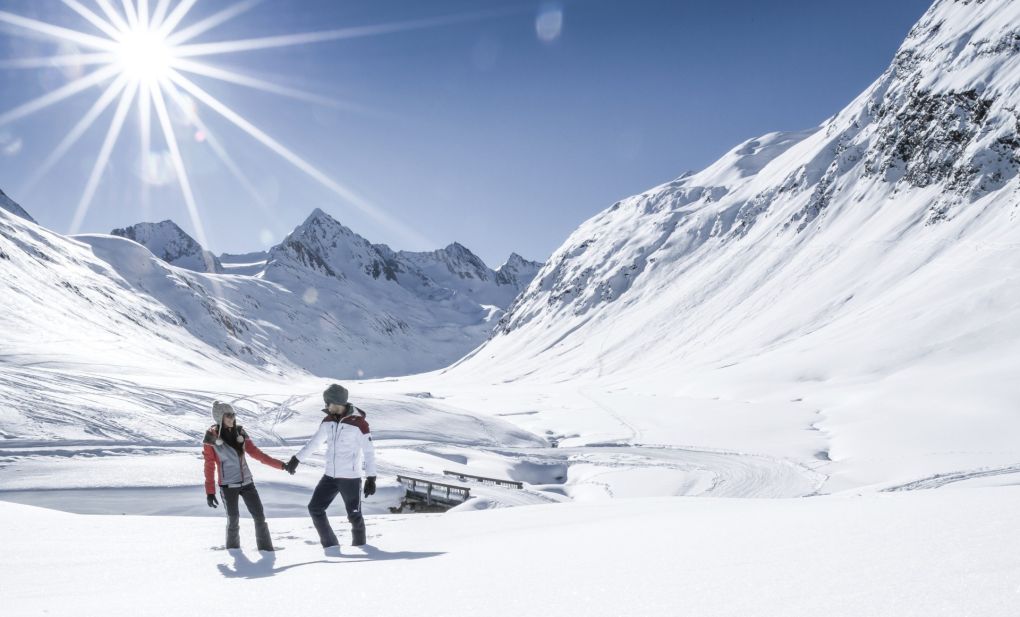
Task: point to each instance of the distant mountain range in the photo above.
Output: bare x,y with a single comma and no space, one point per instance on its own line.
324,300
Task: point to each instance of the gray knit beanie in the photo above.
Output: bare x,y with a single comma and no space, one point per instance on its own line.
335,394
219,410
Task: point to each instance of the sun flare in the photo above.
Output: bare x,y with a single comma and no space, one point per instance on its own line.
144,54
141,56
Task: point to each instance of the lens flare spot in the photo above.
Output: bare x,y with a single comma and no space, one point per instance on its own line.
10,145
311,295
157,169
549,23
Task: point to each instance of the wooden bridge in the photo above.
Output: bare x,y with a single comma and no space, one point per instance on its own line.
428,496
465,477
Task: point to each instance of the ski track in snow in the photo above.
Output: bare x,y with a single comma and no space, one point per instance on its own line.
940,480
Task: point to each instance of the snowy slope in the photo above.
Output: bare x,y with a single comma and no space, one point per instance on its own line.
455,267
9,205
517,271
854,284
323,290
928,554
324,301
249,264
171,244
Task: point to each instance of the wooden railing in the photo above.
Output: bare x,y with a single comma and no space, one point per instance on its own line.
465,477
434,492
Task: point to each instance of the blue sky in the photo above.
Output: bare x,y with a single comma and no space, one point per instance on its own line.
478,131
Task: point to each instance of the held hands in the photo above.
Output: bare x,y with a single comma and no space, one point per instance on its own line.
291,465
369,486
211,500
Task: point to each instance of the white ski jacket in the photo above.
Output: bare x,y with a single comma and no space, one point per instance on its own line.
348,443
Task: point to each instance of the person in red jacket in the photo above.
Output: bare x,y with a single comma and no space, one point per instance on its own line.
223,449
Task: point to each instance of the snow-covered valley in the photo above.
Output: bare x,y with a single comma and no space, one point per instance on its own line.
782,386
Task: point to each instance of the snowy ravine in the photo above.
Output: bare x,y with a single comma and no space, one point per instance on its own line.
852,289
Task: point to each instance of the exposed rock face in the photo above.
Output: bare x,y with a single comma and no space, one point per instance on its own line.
933,141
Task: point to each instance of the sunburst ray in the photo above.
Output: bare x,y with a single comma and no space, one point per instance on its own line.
175,16
159,103
92,18
307,168
289,40
159,13
132,14
221,153
51,98
112,14
42,62
143,13
146,54
104,157
239,79
145,144
76,132
57,32
216,19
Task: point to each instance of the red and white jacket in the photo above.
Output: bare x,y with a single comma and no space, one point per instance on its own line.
230,465
347,440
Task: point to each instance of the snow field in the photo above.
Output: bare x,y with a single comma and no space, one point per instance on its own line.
924,553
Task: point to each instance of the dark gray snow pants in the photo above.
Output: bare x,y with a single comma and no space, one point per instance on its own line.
349,490
254,505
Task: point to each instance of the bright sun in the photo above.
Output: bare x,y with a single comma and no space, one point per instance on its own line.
142,57
144,54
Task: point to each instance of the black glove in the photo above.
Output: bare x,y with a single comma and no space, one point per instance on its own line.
369,486
211,500
291,466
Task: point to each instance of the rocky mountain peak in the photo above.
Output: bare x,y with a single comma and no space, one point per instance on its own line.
933,140
517,271
172,244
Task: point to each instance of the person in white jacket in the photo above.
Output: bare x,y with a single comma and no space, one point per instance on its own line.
345,432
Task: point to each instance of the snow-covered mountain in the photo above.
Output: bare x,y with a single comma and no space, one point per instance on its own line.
457,268
876,251
171,244
248,264
324,301
9,205
517,271
321,240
